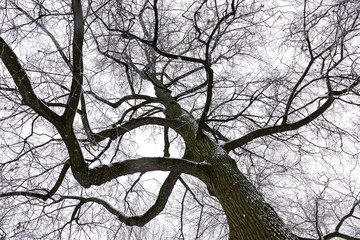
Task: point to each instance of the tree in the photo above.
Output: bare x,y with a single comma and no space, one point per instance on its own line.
252,102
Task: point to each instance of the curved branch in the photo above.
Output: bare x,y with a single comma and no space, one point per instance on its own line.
97,176
278,129
159,205
23,84
151,213
339,235
113,133
288,127
123,99
350,214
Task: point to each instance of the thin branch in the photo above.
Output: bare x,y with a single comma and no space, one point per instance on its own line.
123,99
350,214
289,127
51,36
44,197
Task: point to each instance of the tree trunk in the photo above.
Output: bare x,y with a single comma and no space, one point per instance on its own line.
248,215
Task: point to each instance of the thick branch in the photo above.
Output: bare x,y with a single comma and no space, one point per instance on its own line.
113,133
78,67
105,173
25,194
156,18
22,81
210,85
166,142
85,120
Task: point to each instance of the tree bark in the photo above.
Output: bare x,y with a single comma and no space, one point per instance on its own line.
248,215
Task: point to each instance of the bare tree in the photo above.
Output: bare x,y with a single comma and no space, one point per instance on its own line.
253,105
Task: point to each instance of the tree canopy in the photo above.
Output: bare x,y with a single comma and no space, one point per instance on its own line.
179,119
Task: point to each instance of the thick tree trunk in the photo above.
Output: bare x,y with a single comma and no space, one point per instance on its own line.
249,216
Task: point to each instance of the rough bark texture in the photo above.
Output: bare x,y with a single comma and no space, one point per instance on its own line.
248,215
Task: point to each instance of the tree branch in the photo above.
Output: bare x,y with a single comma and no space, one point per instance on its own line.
350,214
339,235
78,67
278,129
210,73
123,99
105,173
288,127
39,195
151,213
210,85
115,132
23,84
51,36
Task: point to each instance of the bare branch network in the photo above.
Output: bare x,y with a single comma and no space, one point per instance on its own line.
232,119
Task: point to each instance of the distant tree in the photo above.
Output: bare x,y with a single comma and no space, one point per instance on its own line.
252,103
